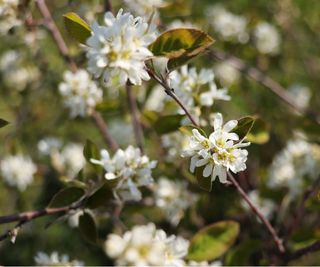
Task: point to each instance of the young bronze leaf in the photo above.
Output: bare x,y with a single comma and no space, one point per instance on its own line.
213,241
77,27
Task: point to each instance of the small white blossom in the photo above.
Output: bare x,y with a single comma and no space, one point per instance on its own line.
69,160
226,73
231,27
130,168
144,8
174,143
301,95
145,245
207,98
267,38
8,15
173,198
47,145
18,171
181,24
43,259
265,206
299,159
117,51
80,93
219,153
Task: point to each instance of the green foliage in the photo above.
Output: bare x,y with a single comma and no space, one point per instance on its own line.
66,197
240,254
244,126
180,45
187,129
77,27
90,151
259,133
102,195
168,123
87,227
204,183
213,241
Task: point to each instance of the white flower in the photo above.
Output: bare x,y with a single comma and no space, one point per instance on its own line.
227,74
47,145
298,160
173,198
130,168
219,153
265,206
267,38
43,259
8,15
174,143
231,27
80,93
204,263
69,160
145,245
207,98
181,24
117,51
301,95
18,171
144,8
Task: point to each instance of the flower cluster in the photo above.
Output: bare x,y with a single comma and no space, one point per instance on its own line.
80,93
301,95
226,73
43,259
8,15
129,168
298,160
231,27
174,143
173,198
267,38
18,171
117,51
219,153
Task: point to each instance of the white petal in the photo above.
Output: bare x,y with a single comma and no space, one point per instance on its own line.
208,170
230,125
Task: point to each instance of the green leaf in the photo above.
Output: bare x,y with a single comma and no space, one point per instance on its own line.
259,132
213,241
3,123
66,197
204,183
168,123
180,45
77,27
102,195
244,126
240,255
87,227
90,151
187,129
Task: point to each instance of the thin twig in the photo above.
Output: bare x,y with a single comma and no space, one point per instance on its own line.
54,31
272,231
265,80
103,128
25,217
170,91
137,128
301,252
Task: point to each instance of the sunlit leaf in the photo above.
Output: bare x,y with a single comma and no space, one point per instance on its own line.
213,241
77,27
180,45
66,197
87,227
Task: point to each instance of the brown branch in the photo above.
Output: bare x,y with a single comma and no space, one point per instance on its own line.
301,252
257,75
107,6
104,130
137,128
57,37
272,231
25,217
170,91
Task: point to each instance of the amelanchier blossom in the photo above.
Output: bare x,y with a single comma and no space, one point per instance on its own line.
297,163
267,38
18,171
219,153
8,15
226,73
231,27
80,93
43,259
117,51
145,245
129,168
301,95
145,8
174,143
173,198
